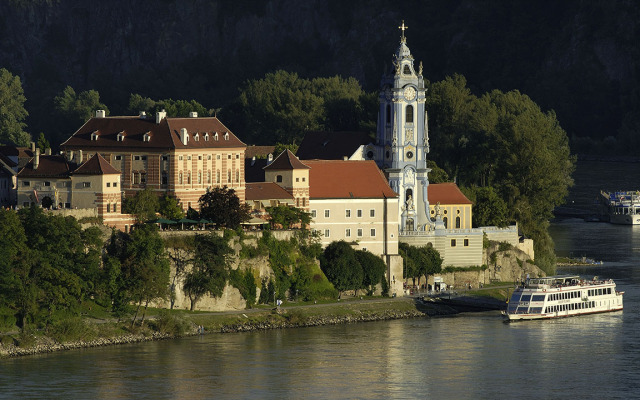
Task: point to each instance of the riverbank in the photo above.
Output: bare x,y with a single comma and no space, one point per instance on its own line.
181,324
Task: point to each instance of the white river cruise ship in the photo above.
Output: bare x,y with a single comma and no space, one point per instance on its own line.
562,296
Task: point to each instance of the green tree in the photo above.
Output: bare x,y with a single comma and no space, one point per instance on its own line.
373,269
420,261
287,216
437,174
340,265
173,108
489,209
12,111
223,207
144,205
73,110
170,208
42,143
210,268
146,267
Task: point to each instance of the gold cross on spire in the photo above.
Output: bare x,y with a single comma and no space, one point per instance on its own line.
403,27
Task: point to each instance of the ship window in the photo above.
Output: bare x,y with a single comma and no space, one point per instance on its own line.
537,297
536,310
525,297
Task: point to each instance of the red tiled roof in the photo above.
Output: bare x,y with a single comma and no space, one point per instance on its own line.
48,167
258,151
265,191
286,160
337,179
446,193
96,165
331,145
165,135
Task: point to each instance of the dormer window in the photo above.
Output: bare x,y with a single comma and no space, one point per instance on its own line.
94,135
206,137
215,136
226,136
146,137
196,137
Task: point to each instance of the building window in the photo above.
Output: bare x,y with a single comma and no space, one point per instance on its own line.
209,157
218,157
304,179
136,178
136,158
445,221
406,70
279,178
165,178
208,177
409,116
188,178
189,158
199,157
228,156
108,207
359,232
86,184
26,183
326,233
115,184
466,243
199,177
313,213
347,213
457,222
326,213
118,158
108,184
388,114
359,213
453,243
297,179
237,175
180,158
165,158
373,232
372,213
237,156
347,232
47,183
218,176
180,178
229,176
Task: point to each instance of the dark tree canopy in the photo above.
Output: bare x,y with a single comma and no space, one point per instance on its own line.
210,272
341,266
222,206
12,110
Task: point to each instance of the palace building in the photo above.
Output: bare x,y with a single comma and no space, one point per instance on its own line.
180,157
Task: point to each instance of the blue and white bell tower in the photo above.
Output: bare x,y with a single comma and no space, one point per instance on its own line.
403,138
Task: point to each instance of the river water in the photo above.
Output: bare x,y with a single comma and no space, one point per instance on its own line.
469,356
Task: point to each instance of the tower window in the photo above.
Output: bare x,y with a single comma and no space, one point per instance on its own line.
409,112
407,70
388,114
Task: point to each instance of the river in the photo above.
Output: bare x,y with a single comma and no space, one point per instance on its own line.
469,356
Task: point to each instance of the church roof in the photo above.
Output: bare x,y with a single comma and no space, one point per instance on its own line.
446,193
331,145
96,165
266,191
338,179
48,167
164,135
285,161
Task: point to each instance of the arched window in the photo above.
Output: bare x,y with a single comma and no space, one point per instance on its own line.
199,177
457,222
209,177
217,176
445,221
180,178
388,113
229,176
237,175
409,116
189,178
407,70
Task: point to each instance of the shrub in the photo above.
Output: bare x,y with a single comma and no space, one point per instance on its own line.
169,323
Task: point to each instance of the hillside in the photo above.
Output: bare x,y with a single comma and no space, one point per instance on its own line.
576,57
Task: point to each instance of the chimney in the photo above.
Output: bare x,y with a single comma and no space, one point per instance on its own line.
160,115
184,136
269,158
253,160
193,114
70,155
345,158
100,113
33,147
47,151
36,159
79,157
143,114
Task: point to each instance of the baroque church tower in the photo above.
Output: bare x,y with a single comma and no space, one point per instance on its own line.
403,139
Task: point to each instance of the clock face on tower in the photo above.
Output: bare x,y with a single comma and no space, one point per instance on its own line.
409,93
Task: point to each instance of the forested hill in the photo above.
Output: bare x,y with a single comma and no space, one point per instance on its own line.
579,58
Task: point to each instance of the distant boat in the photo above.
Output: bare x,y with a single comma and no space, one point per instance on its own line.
621,207
562,296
